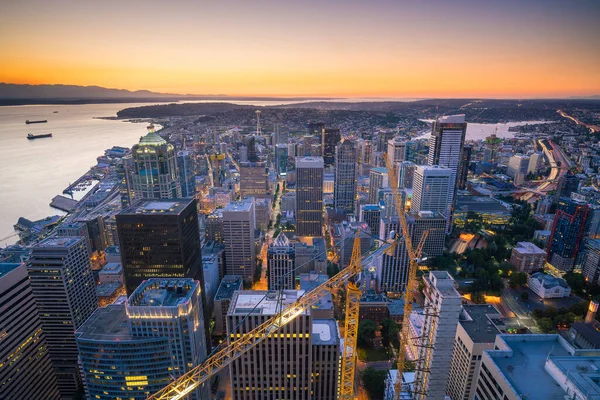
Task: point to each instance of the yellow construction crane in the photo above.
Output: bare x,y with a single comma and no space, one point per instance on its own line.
213,364
411,285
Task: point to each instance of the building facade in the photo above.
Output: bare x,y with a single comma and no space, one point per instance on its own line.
378,178
254,180
445,149
309,196
527,257
238,238
431,186
26,371
567,234
281,260
152,171
442,309
344,192
65,293
330,137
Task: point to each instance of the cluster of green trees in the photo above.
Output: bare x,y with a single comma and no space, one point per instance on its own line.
374,381
388,328
551,318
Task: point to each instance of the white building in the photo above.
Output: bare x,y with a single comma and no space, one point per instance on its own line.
517,168
547,286
442,309
238,237
431,188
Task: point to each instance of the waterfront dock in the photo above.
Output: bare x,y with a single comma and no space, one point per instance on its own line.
63,203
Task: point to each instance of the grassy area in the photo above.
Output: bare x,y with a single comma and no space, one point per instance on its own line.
371,354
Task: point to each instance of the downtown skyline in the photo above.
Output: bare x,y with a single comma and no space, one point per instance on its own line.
381,49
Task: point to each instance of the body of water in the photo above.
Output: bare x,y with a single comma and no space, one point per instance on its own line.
481,131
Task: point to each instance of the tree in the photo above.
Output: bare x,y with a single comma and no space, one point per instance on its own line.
389,331
366,332
478,298
575,281
524,296
517,279
545,325
374,381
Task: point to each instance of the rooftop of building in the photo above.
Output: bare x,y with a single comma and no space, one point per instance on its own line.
244,205
526,363
325,332
396,307
228,286
162,206
163,292
309,162
528,248
372,297
310,281
112,268
6,268
479,204
588,332
379,170
370,207
549,281
262,302
425,215
437,168
476,321
108,323
59,241
107,289
452,119
112,250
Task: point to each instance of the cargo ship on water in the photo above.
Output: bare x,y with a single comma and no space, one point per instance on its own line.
31,136
39,121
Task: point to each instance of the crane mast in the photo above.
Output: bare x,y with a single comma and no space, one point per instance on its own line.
411,285
222,358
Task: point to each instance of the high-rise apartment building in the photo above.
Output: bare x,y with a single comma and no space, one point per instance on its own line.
187,174
476,331
330,137
152,172
567,234
135,349
393,275
25,371
371,214
463,169
406,174
65,293
517,168
159,239
527,257
254,180
298,362
281,259
378,178
309,196
344,192
431,187
238,237
442,309
445,149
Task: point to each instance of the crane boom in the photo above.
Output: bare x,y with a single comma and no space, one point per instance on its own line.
411,285
221,359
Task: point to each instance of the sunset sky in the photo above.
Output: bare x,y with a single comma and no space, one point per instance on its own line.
351,48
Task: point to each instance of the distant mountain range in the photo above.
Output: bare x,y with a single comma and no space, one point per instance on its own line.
15,94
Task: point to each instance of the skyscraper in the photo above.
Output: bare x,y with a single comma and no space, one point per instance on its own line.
406,174
567,234
344,192
309,196
370,214
445,149
442,309
134,349
490,154
378,178
238,237
281,158
566,185
330,137
152,172
463,169
394,270
281,259
254,180
187,175
517,168
430,188
26,371
396,151
298,362
65,293
159,239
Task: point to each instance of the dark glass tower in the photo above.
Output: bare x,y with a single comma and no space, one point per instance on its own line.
159,239
329,139
344,193
567,233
